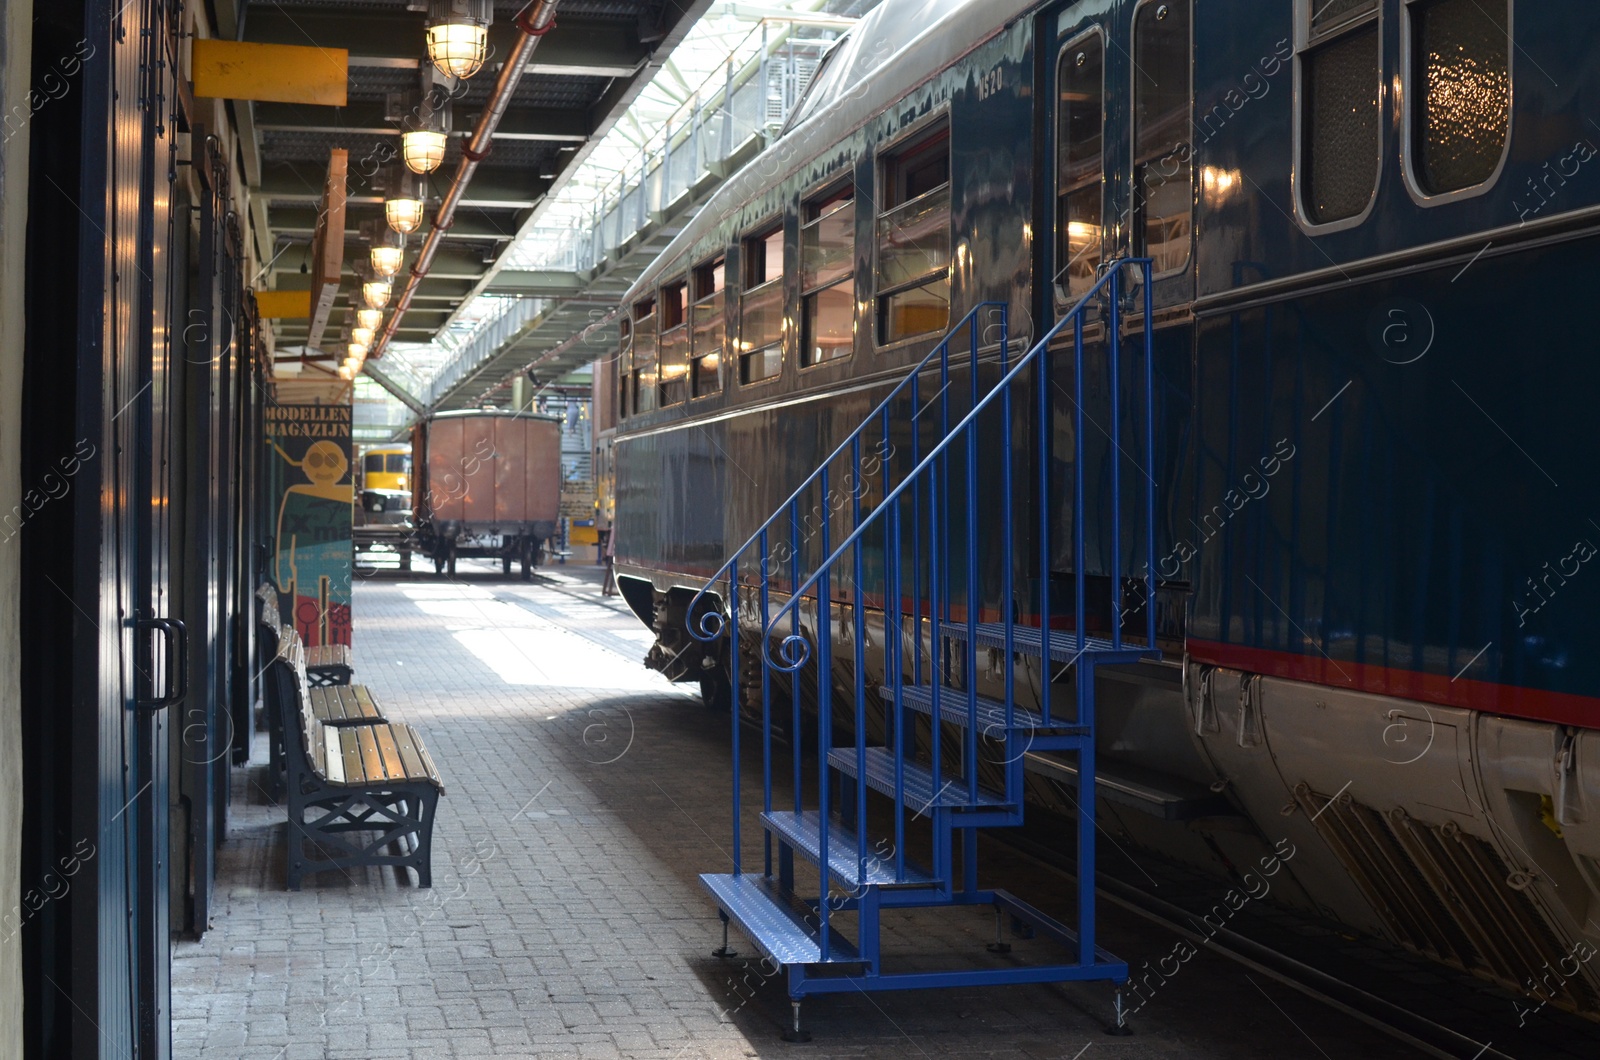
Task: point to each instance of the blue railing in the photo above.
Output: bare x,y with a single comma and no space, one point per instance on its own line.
917,518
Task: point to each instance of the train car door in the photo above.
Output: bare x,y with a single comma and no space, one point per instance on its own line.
1114,127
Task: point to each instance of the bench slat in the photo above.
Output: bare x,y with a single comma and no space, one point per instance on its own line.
371,759
366,704
330,759
388,750
355,769
431,770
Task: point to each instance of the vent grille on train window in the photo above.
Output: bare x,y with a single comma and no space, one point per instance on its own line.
1447,895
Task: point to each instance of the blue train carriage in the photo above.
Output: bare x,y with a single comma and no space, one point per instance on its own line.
1386,549
1369,573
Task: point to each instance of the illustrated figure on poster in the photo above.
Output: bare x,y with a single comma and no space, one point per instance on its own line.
313,544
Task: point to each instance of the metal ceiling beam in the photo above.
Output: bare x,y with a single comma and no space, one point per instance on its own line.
300,221
361,118
493,187
383,379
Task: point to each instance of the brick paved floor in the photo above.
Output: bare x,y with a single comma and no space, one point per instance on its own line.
584,795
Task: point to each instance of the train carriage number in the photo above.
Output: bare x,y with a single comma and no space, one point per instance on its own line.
989,83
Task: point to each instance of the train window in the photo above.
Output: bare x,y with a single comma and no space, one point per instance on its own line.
1163,156
1340,76
1080,164
398,463
913,228
761,308
372,463
645,375
705,349
625,382
1460,91
674,344
827,278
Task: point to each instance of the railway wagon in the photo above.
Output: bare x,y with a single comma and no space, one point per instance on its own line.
385,492
1365,222
489,485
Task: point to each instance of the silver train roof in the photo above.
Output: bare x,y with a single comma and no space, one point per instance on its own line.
893,49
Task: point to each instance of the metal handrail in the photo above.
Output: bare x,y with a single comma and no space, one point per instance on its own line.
934,582
712,622
1073,316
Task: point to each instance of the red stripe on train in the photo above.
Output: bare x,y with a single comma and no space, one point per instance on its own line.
1563,708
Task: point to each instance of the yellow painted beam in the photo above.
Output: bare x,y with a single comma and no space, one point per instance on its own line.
271,73
283,303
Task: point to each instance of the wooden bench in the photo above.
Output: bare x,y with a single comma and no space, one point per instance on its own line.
359,794
326,664
330,705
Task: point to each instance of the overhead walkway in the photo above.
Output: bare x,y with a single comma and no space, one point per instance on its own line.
565,281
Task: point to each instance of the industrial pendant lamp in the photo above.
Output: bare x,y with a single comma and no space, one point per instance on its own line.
458,35
403,205
371,319
363,336
375,293
388,248
387,258
423,148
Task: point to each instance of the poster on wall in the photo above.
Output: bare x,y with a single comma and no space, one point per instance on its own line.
310,483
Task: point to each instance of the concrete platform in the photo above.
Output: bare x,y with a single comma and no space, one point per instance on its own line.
585,795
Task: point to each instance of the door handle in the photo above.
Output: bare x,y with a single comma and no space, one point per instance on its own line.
177,644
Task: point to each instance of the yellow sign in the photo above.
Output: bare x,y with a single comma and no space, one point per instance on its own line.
284,303
271,73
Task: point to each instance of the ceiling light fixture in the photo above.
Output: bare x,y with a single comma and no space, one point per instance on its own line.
458,35
423,150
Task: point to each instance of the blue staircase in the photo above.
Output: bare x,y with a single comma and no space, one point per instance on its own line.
906,567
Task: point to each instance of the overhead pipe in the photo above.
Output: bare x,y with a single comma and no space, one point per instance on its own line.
537,19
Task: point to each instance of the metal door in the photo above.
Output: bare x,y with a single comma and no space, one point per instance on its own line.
1119,178
159,662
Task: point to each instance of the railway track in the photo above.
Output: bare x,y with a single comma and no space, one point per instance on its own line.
1474,1031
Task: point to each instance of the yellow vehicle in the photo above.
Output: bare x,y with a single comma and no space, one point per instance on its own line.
385,487
386,467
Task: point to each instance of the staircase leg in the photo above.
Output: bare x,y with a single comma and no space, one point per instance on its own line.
723,951
969,860
1120,1028
795,1033
999,945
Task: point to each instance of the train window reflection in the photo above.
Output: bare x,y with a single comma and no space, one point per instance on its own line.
913,233
705,348
1163,155
1461,92
761,307
645,373
827,278
1080,166
1340,78
674,343
625,382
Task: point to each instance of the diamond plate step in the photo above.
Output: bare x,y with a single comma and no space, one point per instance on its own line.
780,925
1063,643
991,712
919,794
802,831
